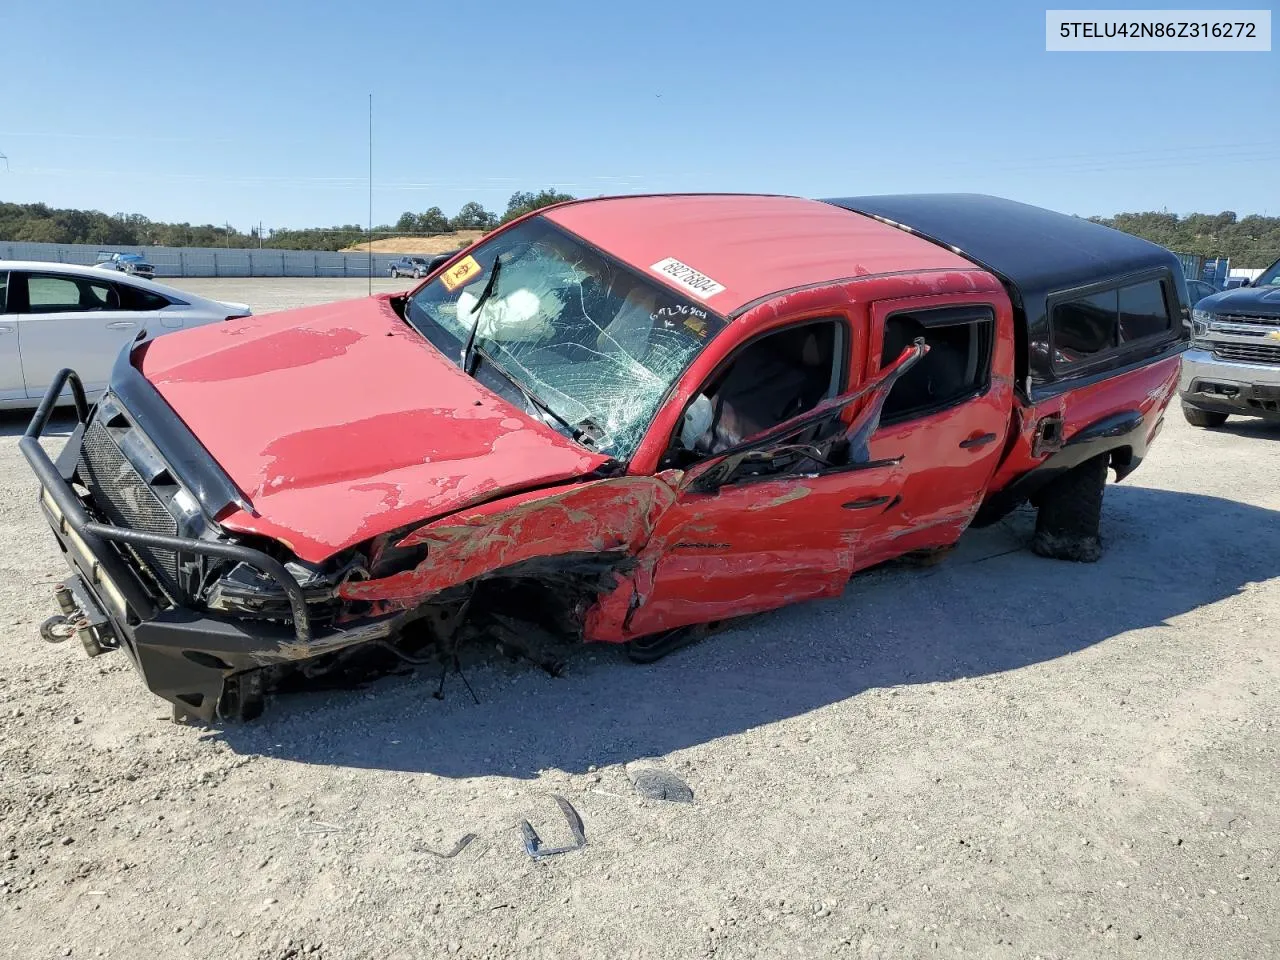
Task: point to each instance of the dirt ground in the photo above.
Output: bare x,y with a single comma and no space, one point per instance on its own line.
437,244
1000,756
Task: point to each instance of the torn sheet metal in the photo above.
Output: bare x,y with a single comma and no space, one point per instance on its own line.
463,842
601,516
533,844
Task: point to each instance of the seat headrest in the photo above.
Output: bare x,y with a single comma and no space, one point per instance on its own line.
810,355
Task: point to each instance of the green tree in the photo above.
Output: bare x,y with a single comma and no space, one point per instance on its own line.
472,216
523,202
433,221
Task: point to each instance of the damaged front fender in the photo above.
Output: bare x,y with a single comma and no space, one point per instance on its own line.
613,517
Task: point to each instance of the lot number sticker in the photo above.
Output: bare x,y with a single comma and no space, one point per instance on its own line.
699,284
461,273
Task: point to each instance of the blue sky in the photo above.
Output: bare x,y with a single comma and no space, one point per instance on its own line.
247,112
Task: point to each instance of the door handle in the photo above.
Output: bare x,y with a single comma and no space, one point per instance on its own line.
122,325
863,502
5,329
979,440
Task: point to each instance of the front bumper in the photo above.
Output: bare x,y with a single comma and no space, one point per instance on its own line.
187,656
1227,386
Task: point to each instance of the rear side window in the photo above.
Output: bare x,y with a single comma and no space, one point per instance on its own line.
1084,327
4,291
134,298
55,294
1143,311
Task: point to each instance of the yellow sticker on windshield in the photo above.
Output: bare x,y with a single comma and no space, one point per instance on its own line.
696,325
461,273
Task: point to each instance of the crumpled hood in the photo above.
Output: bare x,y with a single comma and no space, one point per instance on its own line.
340,422
1258,301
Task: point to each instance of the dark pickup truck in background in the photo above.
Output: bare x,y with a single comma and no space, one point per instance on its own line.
418,266
133,264
1233,366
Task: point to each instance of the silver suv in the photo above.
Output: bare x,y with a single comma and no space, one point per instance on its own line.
1233,365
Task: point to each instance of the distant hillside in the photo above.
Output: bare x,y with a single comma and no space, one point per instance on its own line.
440,244
1250,242
40,223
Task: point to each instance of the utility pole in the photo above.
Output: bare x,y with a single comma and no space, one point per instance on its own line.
370,194
259,234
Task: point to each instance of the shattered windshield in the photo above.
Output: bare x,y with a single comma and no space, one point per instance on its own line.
588,336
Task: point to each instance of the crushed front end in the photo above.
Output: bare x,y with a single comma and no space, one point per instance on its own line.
205,617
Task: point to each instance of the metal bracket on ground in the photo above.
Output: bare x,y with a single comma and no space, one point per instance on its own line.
533,845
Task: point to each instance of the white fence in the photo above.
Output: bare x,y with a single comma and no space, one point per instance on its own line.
214,261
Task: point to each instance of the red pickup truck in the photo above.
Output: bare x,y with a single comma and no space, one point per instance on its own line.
616,420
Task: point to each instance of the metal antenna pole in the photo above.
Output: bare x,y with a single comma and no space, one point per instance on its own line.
371,194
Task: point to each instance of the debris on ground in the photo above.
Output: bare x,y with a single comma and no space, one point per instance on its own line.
657,783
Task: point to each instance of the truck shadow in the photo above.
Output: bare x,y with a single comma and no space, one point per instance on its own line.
13,423
1250,427
992,606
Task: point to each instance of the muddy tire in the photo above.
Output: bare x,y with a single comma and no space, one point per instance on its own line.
1203,418
1070,511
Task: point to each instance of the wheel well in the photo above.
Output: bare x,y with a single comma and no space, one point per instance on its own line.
1121,460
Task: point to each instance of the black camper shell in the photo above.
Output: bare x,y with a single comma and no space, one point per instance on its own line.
1045,259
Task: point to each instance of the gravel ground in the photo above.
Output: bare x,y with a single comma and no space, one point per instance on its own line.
266,295
1000,756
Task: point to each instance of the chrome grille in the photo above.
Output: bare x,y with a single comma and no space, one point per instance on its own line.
127,501
1242,318
1247,352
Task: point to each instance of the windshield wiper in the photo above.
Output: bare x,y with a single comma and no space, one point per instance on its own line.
485,294
533,400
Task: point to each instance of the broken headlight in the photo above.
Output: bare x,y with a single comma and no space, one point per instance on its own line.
248,592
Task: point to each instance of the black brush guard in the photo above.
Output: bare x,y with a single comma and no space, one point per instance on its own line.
185,655
94,533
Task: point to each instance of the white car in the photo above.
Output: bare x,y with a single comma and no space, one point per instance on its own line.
55,315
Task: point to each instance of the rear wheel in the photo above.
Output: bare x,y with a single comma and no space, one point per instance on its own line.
417,274
1202,418
1070,512
395,274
